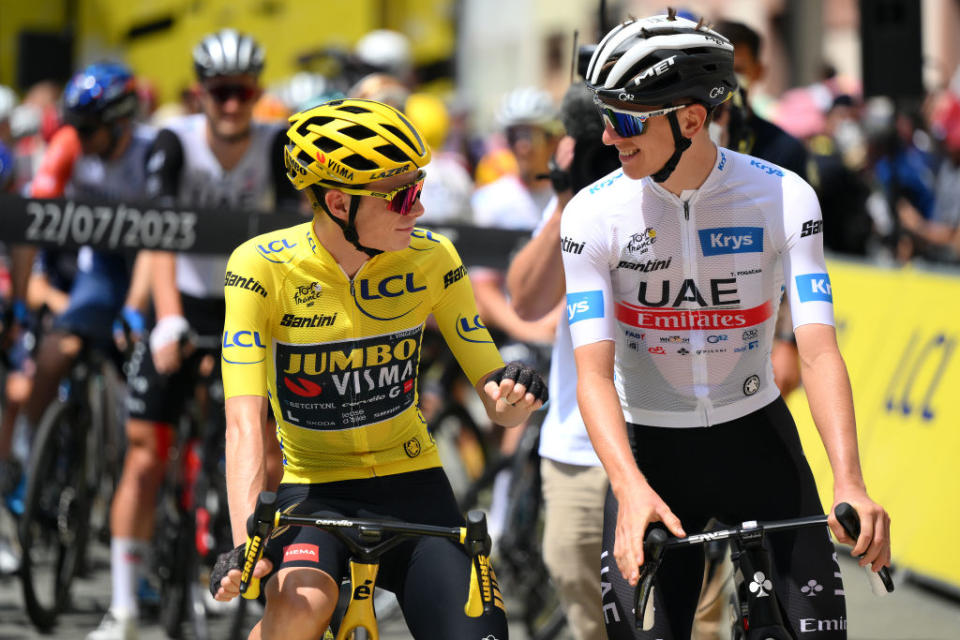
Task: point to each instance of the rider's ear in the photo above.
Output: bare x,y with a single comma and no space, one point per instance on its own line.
338,203
692,119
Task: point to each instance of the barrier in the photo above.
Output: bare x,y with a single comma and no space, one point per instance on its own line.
898,331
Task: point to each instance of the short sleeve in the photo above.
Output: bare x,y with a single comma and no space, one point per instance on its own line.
246,333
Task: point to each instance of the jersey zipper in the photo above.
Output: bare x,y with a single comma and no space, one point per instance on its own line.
697,341
360,439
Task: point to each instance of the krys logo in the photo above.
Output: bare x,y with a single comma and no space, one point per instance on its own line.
723,240
584,305
814,287
373,292
472,330
243,347
270,251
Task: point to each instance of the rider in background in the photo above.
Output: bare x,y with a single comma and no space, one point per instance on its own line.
674,265
99,156
216,159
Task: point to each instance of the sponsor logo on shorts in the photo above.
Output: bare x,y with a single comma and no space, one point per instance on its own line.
301,553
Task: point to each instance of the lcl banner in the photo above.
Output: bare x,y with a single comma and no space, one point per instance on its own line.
898,332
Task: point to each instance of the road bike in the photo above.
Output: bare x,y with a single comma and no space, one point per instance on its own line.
375,538
756,611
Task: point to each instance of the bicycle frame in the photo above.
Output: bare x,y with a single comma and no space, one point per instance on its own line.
757,617
365,558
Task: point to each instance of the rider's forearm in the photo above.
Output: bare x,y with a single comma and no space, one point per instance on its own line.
603,416
22,257
535,278
245,471
140,282
166,296
830,398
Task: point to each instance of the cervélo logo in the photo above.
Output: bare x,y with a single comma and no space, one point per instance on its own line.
723,240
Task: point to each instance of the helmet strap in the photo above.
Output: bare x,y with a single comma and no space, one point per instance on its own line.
349,228
680,143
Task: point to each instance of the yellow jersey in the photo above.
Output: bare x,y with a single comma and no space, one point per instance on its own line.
338,357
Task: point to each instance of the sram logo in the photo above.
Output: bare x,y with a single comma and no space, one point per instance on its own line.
723,240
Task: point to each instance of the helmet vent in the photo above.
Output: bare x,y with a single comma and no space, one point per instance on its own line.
395,131
393,153
319,121
358,132
352,108
327,145
358,162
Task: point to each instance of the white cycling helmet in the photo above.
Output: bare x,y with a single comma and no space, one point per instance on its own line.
227,53
8,102
527,105
385,50
658,60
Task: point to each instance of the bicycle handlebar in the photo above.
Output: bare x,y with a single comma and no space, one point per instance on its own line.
473,537
657,541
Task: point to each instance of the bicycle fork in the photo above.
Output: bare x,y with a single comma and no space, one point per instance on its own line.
360,613
756,600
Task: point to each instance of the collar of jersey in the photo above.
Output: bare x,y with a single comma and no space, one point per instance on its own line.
713,180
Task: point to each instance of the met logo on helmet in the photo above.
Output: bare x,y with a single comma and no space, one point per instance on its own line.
656,70
723,240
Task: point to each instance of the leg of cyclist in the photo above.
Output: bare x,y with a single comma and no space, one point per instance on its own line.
431,575
300,603
153,403
676,590
572,536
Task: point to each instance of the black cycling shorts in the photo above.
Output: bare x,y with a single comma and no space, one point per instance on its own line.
430,576
752,468
161,398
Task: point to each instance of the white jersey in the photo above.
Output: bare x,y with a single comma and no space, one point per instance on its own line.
563,435
204,183
688,286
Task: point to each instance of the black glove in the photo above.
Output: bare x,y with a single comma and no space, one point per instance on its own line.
525,375
226,561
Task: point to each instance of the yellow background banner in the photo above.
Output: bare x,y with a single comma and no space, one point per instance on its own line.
898,331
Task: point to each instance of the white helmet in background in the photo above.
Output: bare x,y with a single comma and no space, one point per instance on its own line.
528,106
8,102
227,53
387,51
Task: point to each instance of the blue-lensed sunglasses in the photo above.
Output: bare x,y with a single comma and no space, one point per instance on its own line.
630,123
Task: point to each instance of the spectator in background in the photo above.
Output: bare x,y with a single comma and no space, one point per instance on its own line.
515,201
448,186
765,140
8,102
574,483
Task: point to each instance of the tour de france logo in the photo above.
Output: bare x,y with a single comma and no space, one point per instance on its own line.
640,242
412,447
307,293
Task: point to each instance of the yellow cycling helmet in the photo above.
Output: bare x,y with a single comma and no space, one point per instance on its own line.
351,142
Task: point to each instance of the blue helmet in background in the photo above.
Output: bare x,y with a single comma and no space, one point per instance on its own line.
100,94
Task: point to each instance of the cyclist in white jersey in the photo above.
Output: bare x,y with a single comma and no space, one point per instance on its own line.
217,159
674,268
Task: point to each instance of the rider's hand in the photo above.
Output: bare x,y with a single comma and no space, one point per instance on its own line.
165,339
637,508
516,388
128,327
874,540
225,576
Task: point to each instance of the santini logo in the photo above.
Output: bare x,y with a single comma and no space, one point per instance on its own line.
569,246
814,287
584,305
723,240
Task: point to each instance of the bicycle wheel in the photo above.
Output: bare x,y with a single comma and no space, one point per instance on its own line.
54,527
462,448
175,565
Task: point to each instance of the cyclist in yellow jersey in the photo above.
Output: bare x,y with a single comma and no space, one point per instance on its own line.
324,321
